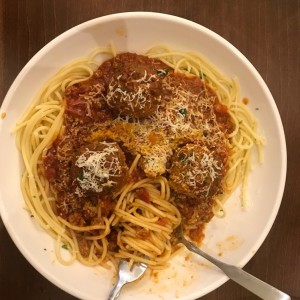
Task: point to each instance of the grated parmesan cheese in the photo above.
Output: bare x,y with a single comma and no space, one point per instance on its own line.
99,167
182,116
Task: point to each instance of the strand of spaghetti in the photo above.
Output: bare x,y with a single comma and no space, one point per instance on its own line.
154,219
244,180
165,193
237,161
126,189
107,256
139,245
72,249
166,205
219,209
128,228
242,141
49,215
102,50
83,228
233,176
257,138
39,149
140,183
130,197
241,109
84,260
156,210
91,254
138,203
125,254
104,234
150,218
58,95
151,208
26,137
29,128
134,220
162,259
236,124
134,164
157,240
182,61
28,201
33,178
104,248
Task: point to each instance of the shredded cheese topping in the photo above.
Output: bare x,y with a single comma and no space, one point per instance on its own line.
200,168
132,92
98,168
184,115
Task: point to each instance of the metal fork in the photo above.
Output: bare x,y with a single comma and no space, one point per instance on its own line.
248,281
126,274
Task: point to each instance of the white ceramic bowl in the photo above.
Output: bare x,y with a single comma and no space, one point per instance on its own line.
238,236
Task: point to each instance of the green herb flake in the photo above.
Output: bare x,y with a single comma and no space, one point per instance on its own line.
80,176
65,246
181,157
202,75
183,111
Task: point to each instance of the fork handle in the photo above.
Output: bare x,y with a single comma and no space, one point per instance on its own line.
248,281
115,293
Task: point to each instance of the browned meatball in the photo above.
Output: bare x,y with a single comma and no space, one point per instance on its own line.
196,171
134,84
100,168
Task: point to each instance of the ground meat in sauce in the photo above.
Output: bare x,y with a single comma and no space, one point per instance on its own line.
135,86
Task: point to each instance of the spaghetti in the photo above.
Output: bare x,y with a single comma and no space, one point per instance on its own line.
118,152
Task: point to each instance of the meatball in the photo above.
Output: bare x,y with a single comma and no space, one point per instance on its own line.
197,171
99,168
134,86
84,102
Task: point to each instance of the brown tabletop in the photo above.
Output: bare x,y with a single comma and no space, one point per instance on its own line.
266,32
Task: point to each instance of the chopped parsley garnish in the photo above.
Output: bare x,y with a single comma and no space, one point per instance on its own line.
65,246
181,157
202,75
80,176
183,111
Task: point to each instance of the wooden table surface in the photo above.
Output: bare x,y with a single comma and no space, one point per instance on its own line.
266,32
